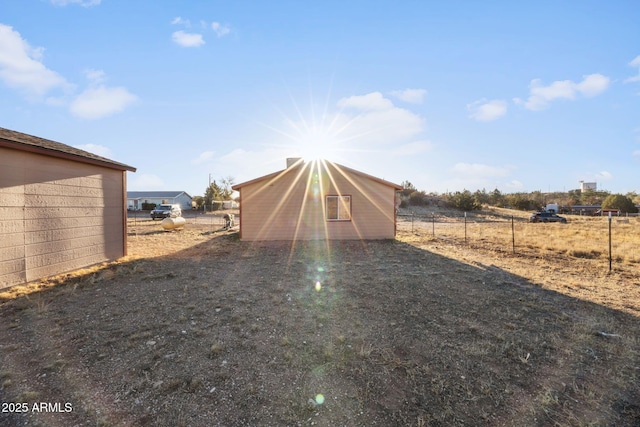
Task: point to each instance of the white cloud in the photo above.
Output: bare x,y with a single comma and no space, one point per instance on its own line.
413,96
98,102
95,76
220,29
540,96
371,101
593,85
21,65
83,3
203,157
21,68
179,21
604,176
478,170
634,63
373,119
100,150
486,111
145,182
636,154
187,39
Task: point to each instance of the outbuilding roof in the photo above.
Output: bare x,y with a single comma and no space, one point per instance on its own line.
34,144
300,164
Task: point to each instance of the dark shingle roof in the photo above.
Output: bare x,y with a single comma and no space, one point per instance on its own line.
154,194
24,142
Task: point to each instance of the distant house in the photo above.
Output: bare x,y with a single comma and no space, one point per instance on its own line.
61,208
317,200
135,199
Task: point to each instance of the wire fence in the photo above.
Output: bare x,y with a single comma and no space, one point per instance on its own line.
612,239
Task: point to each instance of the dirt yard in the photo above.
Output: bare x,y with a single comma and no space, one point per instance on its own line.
196,328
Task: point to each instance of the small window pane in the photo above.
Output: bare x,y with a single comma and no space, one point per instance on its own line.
345,208
338,208
332,207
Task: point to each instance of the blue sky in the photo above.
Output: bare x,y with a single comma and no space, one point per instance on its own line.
514,95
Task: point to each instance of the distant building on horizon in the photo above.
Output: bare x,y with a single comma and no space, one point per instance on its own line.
585,186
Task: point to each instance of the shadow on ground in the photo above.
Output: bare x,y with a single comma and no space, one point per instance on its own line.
382,333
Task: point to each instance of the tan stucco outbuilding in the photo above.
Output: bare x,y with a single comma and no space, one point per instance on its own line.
61,208
317,200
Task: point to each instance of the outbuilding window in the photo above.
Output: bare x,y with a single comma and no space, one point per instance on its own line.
338,208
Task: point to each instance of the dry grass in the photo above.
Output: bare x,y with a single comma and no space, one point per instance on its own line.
197,328
581,237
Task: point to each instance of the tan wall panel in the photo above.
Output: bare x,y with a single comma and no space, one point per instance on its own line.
12,253
10,198
43,236
11,227
11,240
12,272
63,215
51,268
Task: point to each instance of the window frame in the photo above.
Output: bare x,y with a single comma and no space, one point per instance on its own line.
338,197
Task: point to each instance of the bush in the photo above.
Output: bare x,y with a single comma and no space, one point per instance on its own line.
148,206
417,198
464,201
620,202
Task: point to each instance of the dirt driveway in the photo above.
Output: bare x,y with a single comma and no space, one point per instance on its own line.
199,329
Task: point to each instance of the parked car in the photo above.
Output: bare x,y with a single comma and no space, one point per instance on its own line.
547,217
166,211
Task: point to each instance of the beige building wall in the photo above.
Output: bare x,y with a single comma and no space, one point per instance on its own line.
57,215
290,206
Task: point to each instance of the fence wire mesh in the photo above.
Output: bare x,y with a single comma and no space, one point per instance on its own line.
580,237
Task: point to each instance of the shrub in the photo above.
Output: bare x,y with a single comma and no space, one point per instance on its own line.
620,202
148,206
417,198
464,201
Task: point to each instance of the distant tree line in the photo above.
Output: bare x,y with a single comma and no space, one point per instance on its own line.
467,201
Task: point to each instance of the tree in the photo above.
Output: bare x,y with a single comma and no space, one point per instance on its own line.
211,194
226,191
464,201
521,201
199,201
481,196
591,197
215,194
407,188
496,198
620,202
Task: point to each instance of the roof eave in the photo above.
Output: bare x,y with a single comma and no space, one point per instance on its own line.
62,155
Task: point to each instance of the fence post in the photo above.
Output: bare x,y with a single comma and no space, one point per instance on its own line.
609,242
433,223
465,227
513,236
412,222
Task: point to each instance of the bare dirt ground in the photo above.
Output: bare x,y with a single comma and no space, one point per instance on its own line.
196,328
